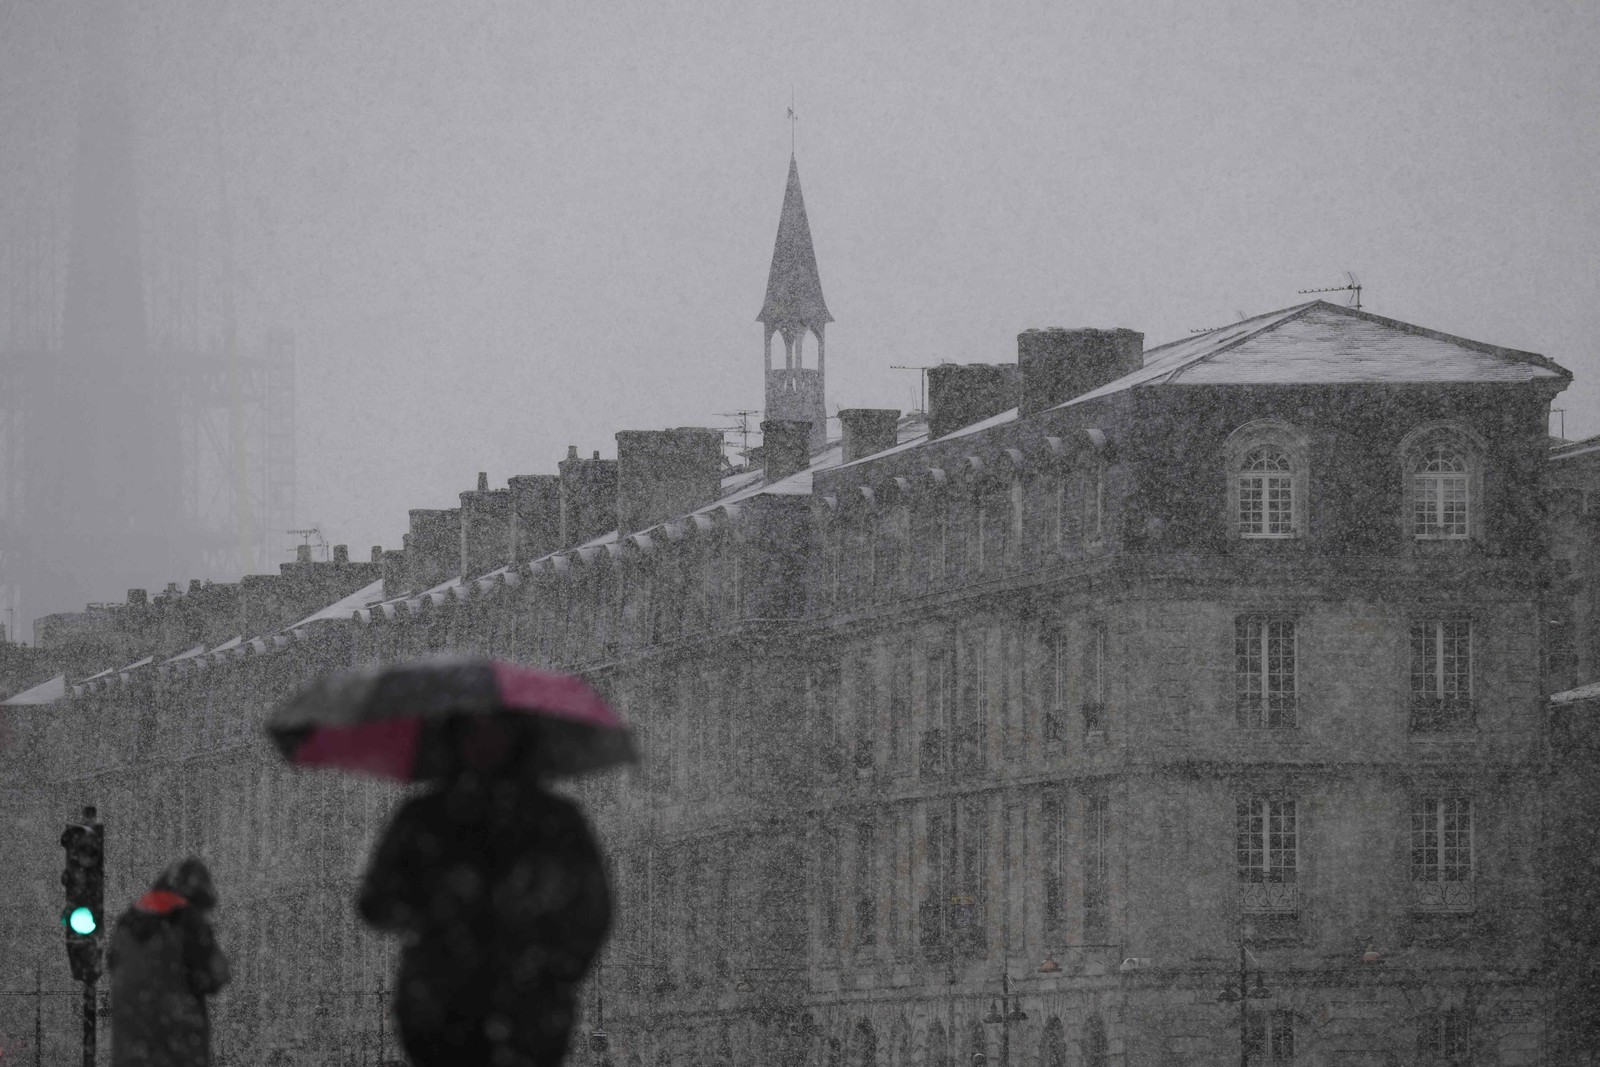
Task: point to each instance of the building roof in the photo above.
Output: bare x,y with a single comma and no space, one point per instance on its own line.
47,692
1575,696
794,289
1560,449
1321,343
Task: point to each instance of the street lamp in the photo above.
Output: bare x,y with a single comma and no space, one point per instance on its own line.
1007,1011
1243,996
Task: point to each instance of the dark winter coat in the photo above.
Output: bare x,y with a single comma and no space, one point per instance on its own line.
164,963
500,891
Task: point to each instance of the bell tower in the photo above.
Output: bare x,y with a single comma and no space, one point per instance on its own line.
794,308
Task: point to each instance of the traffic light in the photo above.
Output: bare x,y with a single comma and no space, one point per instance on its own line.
84,880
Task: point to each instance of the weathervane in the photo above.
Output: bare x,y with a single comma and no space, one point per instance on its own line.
793,118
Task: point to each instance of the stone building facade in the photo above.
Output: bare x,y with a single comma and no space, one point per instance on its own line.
1139,657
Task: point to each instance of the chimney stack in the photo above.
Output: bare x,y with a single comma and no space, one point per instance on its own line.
535,515
785,447
377,553
662,473
302,553
341,553
865,431
587,504
1057,365
960,394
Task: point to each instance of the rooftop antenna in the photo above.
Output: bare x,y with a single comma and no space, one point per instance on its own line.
308,534
793,118
743,429
924,369
1351,286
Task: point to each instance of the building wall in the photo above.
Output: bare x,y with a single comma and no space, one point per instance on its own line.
902,743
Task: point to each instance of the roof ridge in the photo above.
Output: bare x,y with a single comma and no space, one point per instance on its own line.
1272,320
1516,355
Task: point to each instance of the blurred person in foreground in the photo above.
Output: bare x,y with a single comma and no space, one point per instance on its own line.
499,891
164,964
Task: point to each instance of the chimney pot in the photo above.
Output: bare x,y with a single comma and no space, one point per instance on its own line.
138,596
483,481
377,553
302,553
341,553
194,585
572,452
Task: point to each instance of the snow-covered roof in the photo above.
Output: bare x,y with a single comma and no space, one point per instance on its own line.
47,692
1571,449
1322,344
345,606
1573,696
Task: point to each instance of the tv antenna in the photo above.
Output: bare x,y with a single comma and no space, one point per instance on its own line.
922,406
743,429
306,536
1351,286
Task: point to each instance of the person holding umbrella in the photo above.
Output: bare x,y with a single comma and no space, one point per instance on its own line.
496,884
164,963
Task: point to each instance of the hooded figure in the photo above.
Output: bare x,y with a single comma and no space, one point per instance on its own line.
164,963
499,890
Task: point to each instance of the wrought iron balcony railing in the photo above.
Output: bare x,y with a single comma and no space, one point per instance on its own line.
1444,897
1269,898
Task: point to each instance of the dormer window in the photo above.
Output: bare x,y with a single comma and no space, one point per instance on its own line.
1266,494
1439,494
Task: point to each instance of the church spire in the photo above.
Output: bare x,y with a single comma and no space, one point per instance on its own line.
794,289
794,308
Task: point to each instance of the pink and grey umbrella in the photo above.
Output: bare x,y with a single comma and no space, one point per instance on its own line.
410,721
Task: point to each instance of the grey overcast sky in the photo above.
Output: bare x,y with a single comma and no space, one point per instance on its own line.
499,228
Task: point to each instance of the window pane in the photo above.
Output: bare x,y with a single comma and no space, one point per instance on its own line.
1455,658
1282,841
1280,505
1422,666
1252,507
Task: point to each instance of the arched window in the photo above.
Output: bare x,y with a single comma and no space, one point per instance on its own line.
1266,493
1267,473
1439,494
1053,1052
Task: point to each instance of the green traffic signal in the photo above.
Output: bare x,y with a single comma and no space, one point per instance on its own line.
81,921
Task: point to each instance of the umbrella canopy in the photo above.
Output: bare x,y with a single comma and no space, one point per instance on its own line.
429,718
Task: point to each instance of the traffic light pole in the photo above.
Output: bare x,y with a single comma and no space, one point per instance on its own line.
88,1023
84,881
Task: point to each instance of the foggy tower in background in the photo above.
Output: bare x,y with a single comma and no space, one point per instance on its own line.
137,446
793,308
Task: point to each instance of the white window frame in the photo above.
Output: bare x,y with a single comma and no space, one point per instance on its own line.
1434,491
1266,673
1266,503
1244,449
1443,853
1267,853
1425,491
